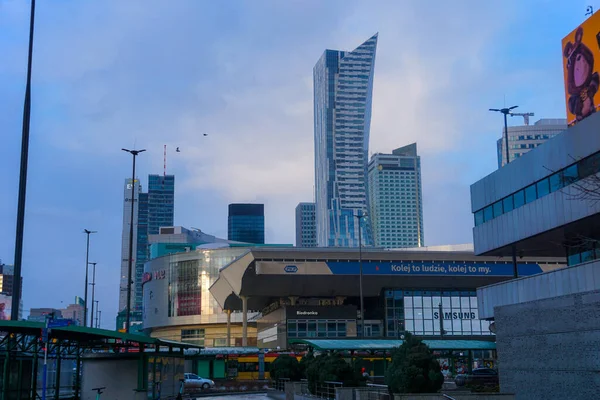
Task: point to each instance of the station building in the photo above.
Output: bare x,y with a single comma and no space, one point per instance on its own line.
274,298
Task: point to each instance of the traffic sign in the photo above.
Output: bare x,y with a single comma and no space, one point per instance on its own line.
58,323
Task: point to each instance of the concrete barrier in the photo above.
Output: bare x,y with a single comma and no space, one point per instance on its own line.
457,396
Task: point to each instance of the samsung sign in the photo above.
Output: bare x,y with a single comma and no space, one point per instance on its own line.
455,315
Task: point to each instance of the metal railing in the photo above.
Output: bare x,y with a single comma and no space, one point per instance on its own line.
279,384
326,390
446,396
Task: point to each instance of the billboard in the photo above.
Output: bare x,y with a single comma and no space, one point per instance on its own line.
5,307
581,62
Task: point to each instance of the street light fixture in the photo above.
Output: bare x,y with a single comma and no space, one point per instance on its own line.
93,284
360,216
507,111
134,153
97,312
87,263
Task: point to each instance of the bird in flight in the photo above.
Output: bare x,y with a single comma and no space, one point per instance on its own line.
177,150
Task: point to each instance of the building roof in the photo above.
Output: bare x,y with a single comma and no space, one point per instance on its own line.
384,344
265,274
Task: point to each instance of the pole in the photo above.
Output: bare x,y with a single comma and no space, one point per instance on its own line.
99,318
87,263
45,371
506,138
441,321
362,307
16,297
130,260
93,284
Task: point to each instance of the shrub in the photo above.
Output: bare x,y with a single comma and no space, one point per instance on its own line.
332,368
285,367
413,369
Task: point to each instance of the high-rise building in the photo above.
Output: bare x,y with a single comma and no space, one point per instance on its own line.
526,137
343,86
127,204
306,234
161,202
396,201
246,223
151,211
7,279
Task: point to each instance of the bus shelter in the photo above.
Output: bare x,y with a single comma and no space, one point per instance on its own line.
79,359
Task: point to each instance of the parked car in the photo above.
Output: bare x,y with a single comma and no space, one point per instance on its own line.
479,376
193,381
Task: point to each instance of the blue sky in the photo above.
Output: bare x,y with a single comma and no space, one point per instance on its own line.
145,73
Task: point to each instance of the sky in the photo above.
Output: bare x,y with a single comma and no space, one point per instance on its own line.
148,73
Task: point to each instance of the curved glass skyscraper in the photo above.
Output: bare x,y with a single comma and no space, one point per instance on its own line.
343,87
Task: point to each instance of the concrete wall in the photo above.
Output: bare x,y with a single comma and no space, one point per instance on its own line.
118,376
576,279
549,348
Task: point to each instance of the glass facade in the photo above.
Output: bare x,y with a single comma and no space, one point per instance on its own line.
555,182
319,328
161,202
343,86
305,225
246,223
424,312
396,202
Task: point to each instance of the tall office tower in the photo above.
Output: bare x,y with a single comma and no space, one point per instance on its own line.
526,137
396,201
127,204
161,202
343,86
246,223
151,211
305,225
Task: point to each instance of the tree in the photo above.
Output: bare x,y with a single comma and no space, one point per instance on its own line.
413,369
305,363
285,367
332,368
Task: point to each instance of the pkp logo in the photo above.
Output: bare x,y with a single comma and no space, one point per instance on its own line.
291,269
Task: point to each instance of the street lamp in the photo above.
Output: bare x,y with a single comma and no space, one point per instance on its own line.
134,153
93,284
87,263
16,296
507,111
359,217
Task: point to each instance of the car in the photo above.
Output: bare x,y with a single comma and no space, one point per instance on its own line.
479,376
193,381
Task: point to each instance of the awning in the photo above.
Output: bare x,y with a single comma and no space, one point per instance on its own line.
360,344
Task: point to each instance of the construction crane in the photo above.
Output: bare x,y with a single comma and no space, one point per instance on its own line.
524,115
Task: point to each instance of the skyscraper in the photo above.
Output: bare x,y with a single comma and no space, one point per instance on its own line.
343,86
127,204
526,137
246,223
151,211
396,201
305,225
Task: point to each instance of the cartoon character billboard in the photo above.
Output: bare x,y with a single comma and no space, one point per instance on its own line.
581,62
5,307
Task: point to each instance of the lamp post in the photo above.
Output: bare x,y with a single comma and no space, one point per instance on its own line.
87,263
16,296
93,284
134,153
97,312
359,217
505,111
